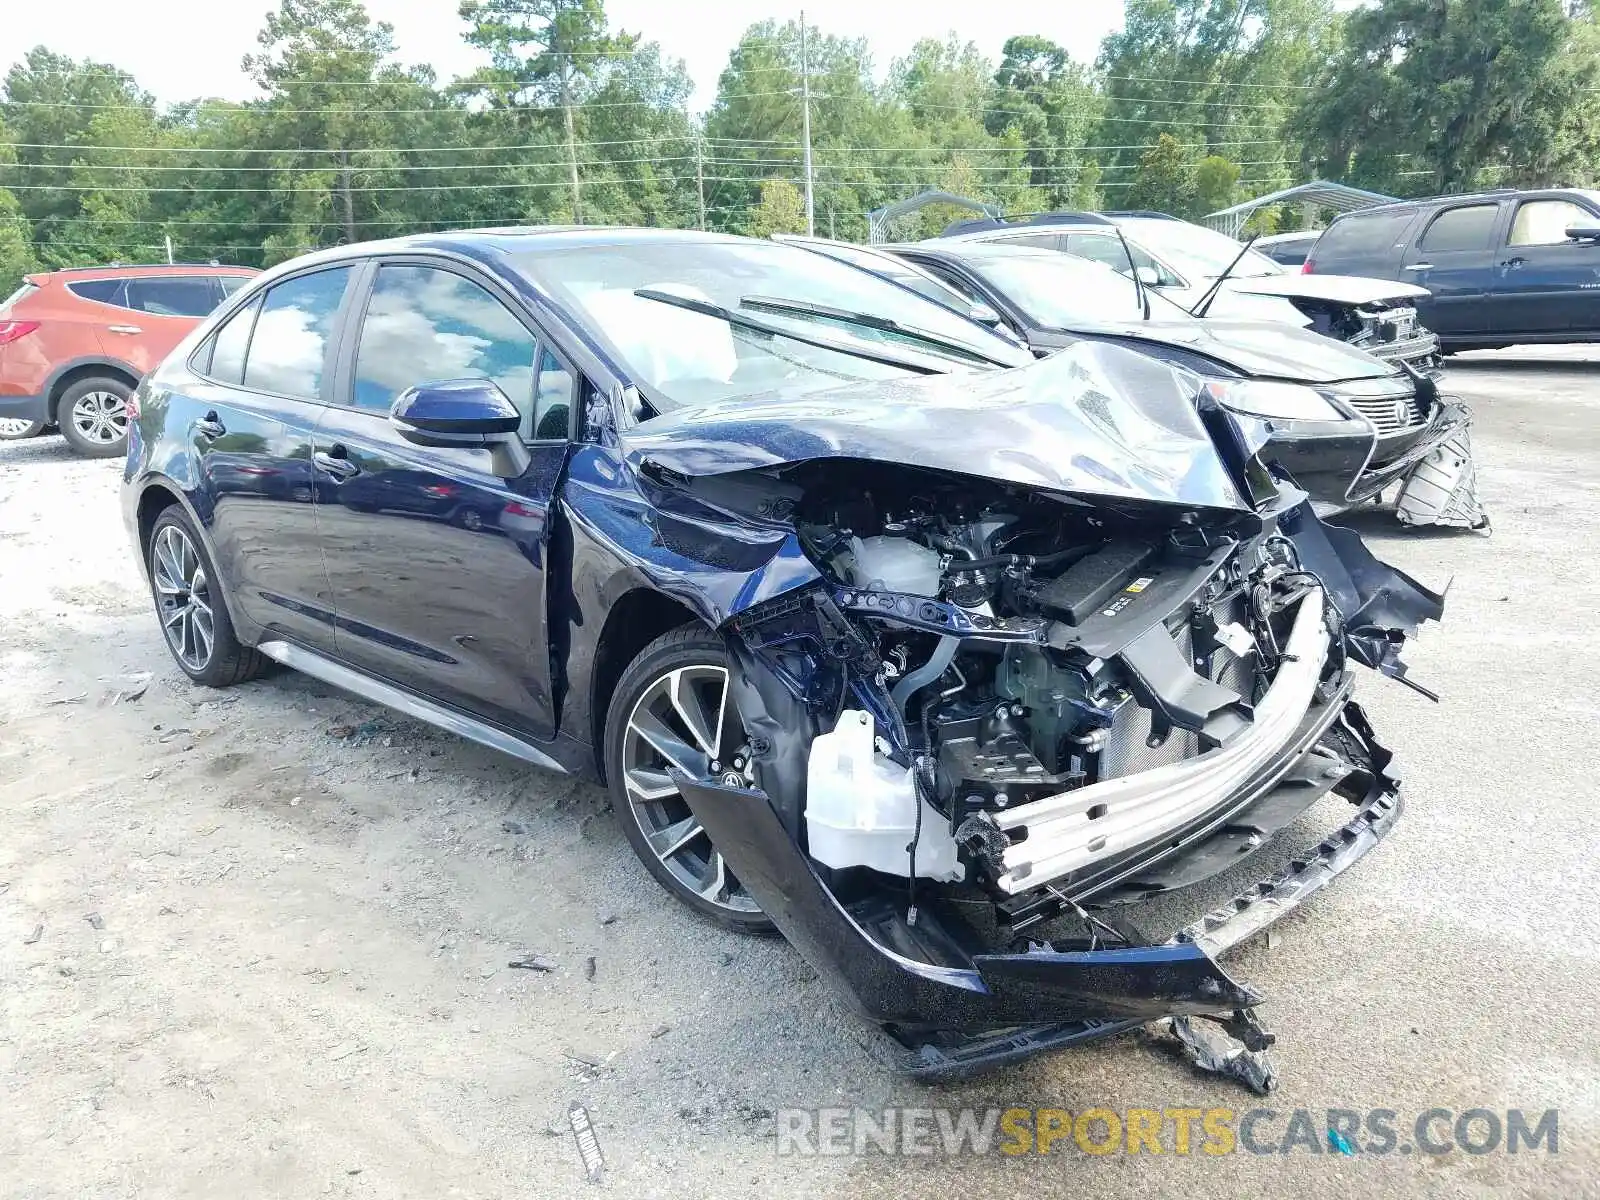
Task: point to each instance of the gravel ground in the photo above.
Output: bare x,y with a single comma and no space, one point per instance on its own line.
295,980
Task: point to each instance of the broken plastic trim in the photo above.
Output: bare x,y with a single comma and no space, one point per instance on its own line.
956,1021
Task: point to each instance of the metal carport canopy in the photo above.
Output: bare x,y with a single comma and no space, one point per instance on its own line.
1320,193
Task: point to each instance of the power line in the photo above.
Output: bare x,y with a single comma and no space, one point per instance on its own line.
83,166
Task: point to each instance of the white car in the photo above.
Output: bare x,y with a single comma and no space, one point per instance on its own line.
1183,261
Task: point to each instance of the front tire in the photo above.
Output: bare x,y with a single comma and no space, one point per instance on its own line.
93,415
194,619
673,707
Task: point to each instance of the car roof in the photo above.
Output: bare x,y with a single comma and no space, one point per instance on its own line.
496,242
123,270
1277,239
966,247
1489,194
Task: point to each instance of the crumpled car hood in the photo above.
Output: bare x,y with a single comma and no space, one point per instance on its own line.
1255,348
1096,421
1342,289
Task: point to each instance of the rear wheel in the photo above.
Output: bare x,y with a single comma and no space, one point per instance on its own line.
189,605
93,415
673,708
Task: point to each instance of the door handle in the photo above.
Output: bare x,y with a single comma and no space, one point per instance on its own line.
1417,267
123,329
335,461
209,426
1515,262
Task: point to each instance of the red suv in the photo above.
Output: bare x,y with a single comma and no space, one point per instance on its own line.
75,343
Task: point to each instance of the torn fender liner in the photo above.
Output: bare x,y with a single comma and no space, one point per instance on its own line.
994,992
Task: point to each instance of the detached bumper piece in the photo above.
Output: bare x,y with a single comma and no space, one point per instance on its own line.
1442,488
957,1011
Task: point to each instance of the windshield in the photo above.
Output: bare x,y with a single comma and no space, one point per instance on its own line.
1196,250
1061,291
683,358
890,267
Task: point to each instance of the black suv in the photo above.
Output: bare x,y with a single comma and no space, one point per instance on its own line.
1504,267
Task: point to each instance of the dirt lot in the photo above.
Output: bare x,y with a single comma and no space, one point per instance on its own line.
295,980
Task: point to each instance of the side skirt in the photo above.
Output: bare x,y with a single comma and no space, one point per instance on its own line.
309,662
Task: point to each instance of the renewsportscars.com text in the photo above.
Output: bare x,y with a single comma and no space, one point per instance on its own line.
1182,1131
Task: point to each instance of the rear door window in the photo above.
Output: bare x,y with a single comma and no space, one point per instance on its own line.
172,296
289,350
104,291
1466,228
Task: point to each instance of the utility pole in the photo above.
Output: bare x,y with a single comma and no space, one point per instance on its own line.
565,75
805,124
700,174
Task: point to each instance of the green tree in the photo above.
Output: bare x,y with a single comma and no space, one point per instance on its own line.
1216,184
1051,107
1444,95
16,246
545,54
781,209
1221,76
1165,180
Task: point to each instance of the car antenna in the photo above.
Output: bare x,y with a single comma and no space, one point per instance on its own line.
1200,309
1133,268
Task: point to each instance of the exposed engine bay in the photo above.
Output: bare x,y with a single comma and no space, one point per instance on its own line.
1001,651
1384,330
986,711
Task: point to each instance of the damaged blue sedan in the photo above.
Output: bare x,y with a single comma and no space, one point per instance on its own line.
881,634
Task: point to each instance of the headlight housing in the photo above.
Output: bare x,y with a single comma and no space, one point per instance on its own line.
1273,400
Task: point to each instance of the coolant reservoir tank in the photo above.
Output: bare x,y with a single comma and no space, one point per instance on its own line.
895,564
861,807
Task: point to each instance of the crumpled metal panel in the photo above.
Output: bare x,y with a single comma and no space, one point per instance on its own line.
1096,420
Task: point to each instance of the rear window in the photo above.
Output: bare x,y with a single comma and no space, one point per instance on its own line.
1466,228
105,291
1364,235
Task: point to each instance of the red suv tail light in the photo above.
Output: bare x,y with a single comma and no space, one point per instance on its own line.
10,331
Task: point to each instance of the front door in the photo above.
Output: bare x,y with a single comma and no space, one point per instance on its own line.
1454,259
266,372
437,565
1548,283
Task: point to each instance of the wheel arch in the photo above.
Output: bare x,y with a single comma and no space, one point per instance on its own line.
637,618
70,372
160,493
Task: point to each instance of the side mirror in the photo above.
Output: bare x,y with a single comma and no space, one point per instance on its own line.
984,315
470,413
1148,276
1589,232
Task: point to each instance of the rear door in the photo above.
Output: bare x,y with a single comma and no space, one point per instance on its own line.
161,310
1454,259
265,374
1548,284
437,565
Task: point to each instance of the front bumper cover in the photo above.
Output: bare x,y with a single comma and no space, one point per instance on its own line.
956,1014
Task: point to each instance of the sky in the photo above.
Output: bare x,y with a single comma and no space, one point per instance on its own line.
181,49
